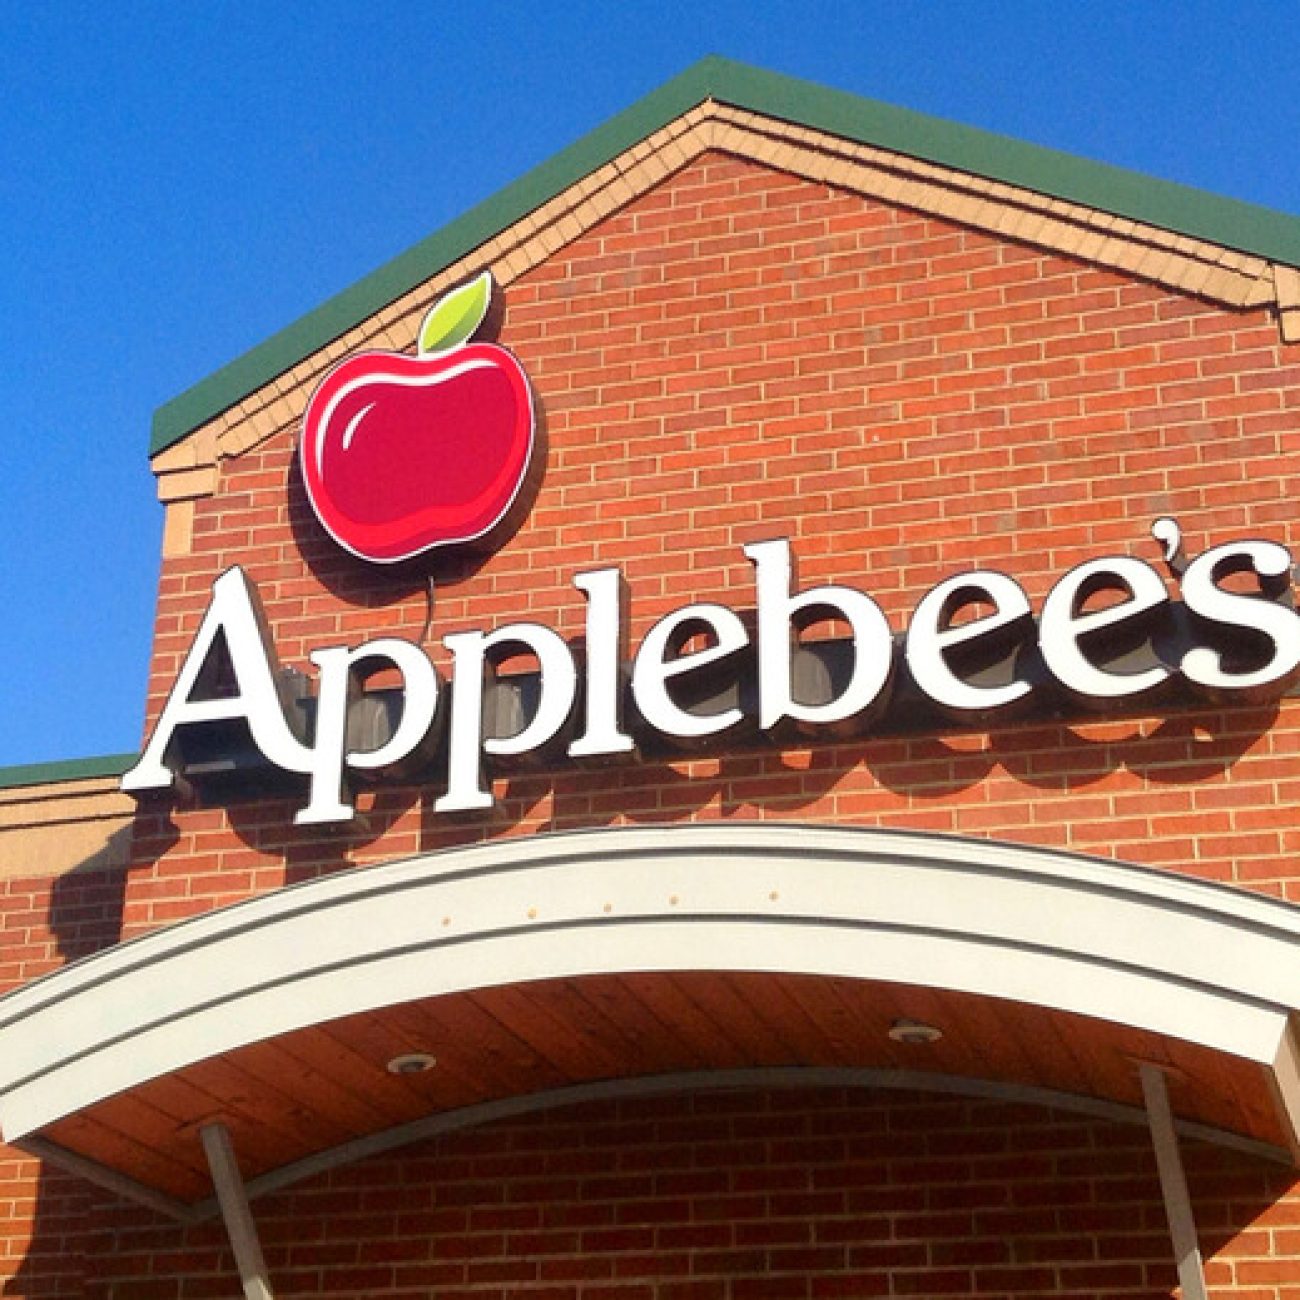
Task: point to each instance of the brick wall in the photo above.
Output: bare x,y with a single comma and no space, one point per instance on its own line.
740,355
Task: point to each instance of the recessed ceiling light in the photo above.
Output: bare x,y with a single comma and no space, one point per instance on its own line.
914,1032
412,1063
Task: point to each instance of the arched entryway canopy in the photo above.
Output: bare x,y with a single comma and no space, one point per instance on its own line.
539,969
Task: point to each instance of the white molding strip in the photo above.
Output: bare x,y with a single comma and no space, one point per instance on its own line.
770,1077
118,1183
1198,962
774,1077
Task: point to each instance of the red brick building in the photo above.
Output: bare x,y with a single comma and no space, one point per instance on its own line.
962,959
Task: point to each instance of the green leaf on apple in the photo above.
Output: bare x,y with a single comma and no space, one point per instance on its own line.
455,317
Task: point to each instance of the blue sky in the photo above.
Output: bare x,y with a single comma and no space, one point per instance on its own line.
177,182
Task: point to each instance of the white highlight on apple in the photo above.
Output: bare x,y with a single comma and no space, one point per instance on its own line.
354,423
398,381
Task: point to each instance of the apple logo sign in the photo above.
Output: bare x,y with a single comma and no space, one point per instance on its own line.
403,454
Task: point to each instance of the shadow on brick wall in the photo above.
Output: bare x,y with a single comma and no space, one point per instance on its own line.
86,910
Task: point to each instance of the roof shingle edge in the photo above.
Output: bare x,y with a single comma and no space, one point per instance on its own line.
65,769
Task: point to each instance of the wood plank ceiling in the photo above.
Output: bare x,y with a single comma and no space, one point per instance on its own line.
326,1085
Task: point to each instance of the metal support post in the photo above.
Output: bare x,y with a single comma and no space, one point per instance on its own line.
1173,1184
229,1186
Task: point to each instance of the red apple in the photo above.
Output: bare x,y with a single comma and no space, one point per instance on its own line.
401,454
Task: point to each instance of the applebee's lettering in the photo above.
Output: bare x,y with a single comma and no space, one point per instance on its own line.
1107,634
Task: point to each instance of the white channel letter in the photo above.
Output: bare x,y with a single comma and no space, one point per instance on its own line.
932,636
658,662
602,732
234,613
337,689
779,616
466,746
1063,625
1268,615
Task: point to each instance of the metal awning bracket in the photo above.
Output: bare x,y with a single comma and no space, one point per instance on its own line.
1173,1183
232,1197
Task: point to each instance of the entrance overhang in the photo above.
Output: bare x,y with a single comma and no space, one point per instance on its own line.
528,966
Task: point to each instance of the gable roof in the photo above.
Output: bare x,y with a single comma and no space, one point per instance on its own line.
1257,232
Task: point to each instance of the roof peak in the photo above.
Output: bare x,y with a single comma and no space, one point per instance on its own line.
1177,208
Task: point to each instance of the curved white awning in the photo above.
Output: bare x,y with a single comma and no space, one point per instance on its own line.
1196,962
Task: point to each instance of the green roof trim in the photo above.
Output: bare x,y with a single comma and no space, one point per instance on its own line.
67,769
1230,222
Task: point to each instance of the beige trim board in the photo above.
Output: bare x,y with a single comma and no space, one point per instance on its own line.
188,469
187,484
49,830
1287,281
178,527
